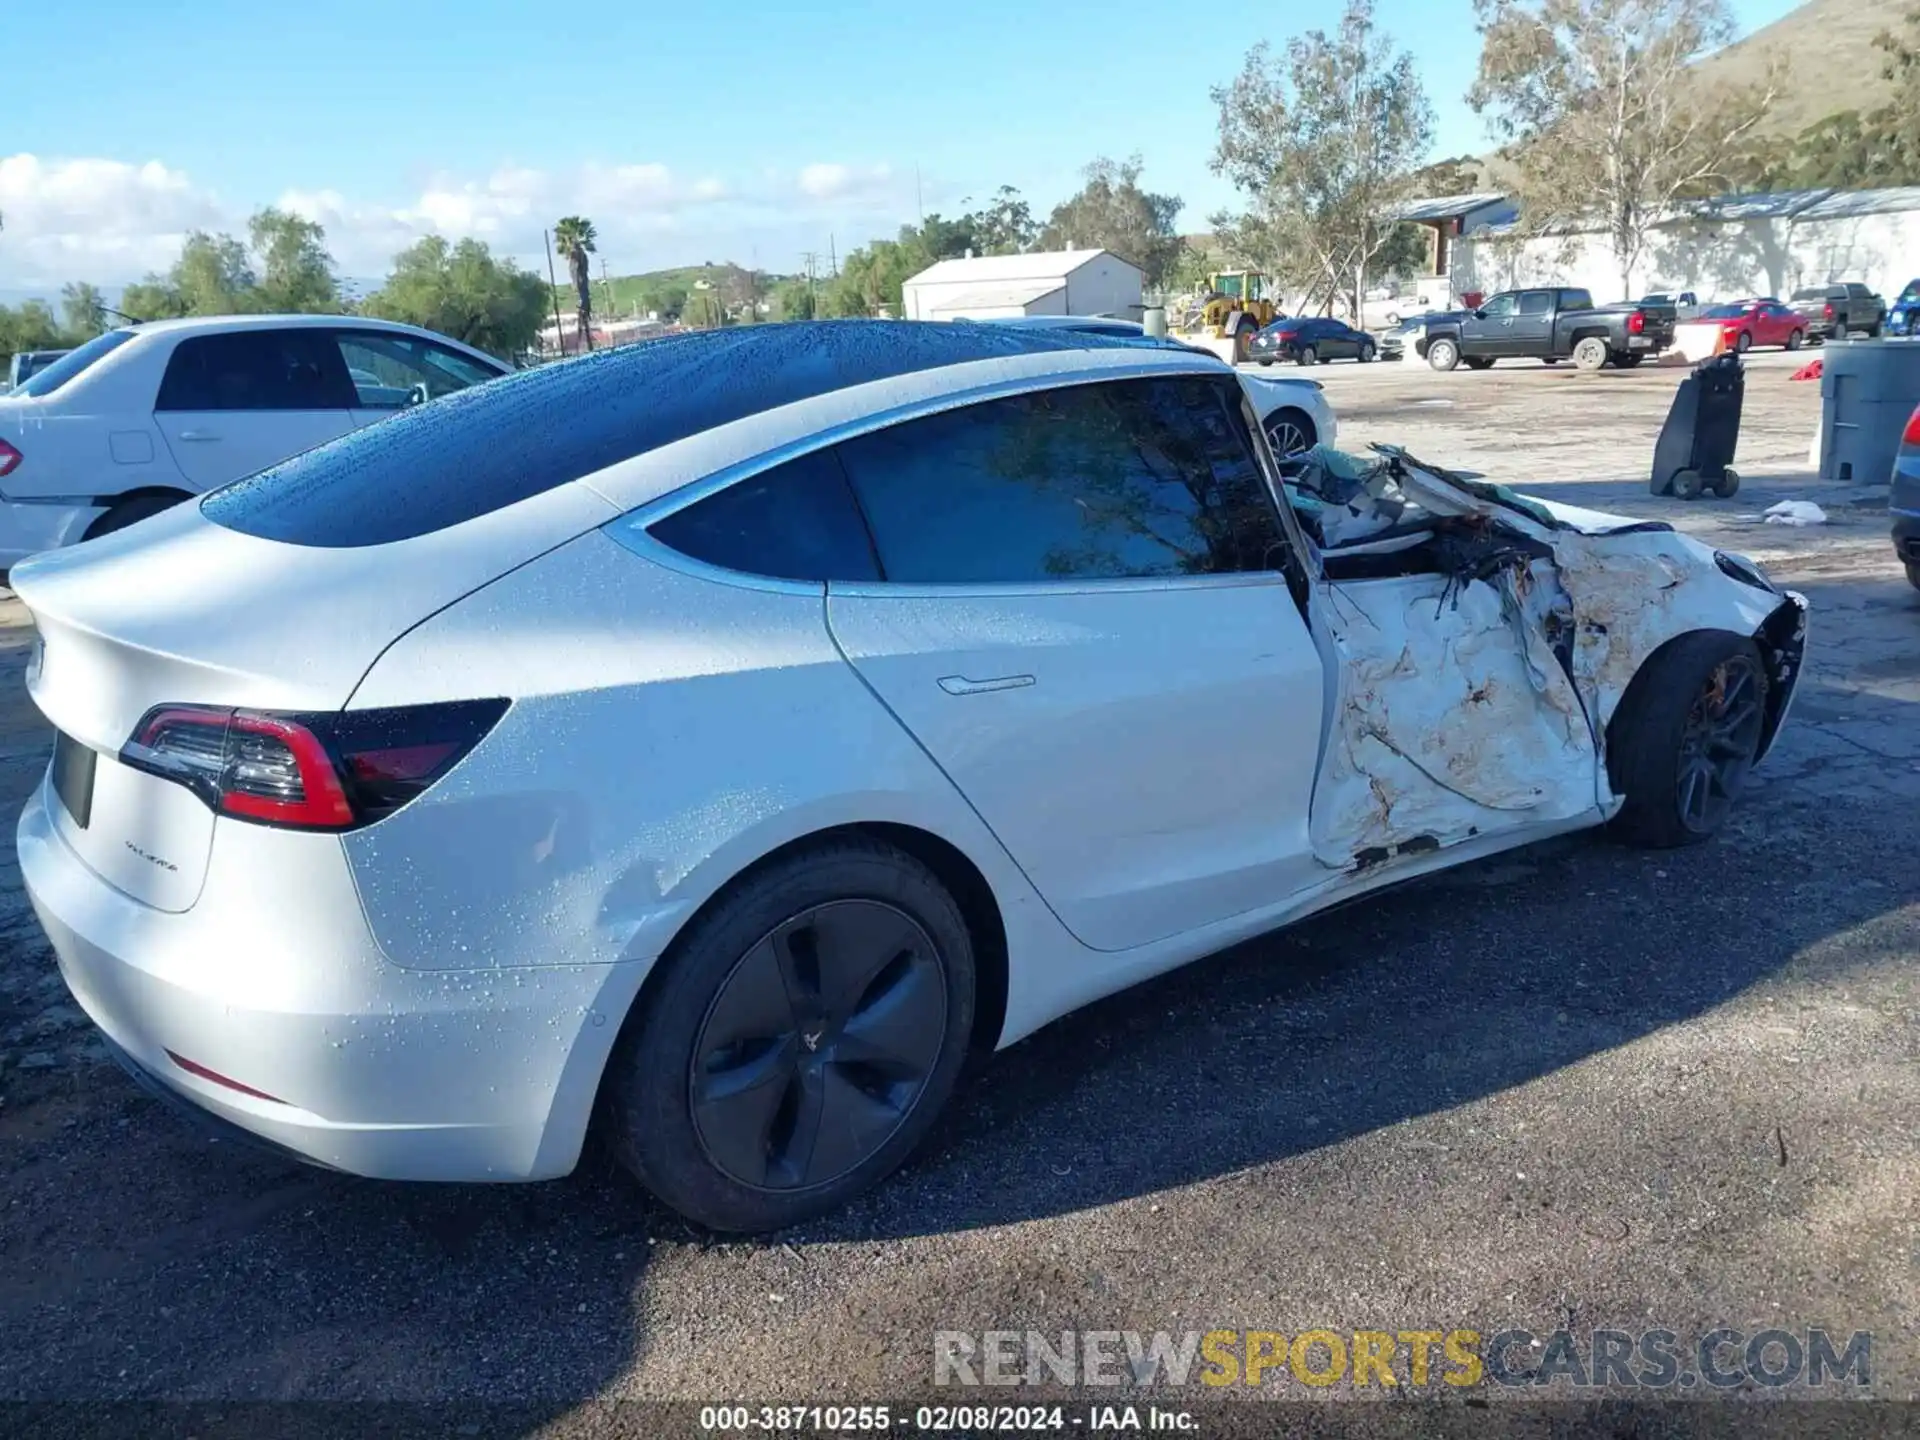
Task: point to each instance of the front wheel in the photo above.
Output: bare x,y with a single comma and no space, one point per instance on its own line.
1744,343
1728,485
1443,355
1366,352
801,1039
1795,340
1685,738
1308,355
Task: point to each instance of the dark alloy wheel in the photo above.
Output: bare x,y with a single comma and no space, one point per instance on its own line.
798,1041
1719,742
818,1045
1686,737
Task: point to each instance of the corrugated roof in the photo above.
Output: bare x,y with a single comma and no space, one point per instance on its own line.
1052,265
1444,207
1845,204
998,297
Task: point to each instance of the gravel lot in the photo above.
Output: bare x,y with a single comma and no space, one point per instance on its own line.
1577,1086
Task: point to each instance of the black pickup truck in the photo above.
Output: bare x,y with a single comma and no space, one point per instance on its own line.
1550,325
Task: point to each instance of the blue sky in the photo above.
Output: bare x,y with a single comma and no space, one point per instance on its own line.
751,131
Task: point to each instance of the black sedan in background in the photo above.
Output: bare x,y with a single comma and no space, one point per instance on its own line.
1311,342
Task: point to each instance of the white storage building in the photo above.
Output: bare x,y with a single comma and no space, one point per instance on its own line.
1724,249
1049,282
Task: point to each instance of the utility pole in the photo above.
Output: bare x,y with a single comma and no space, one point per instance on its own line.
813,308
553,284
832,263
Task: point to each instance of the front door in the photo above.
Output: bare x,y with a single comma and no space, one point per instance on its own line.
1085,623
392,371
233,404
1490,332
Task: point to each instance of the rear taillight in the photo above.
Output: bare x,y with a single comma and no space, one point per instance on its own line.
308,772
10,459
1912,433
1287,335
1636,323
1829,312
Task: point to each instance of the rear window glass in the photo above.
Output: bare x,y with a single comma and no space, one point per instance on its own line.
1576,300
480,450
1817,292
45,382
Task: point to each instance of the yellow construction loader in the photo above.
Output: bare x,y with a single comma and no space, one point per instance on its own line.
1237,303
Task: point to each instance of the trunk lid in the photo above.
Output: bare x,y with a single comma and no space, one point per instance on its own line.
179,610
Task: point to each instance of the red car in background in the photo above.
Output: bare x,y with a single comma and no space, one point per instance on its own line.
1758,322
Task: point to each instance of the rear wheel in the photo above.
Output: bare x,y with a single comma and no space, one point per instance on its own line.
1728,485
800,1042
130,512
1291,432
1685,738
1477,362
1689,484
1549,359
1628,359
1590,353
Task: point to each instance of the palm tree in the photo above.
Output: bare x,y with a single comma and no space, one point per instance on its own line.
574,235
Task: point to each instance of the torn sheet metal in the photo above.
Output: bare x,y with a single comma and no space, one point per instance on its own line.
1477,682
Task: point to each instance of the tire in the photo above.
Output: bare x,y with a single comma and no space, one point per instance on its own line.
1265,360
1443,355
721,1162
1243,340
1291,432
1366,352
1689,484
1477,362
129,512
1728,485
1628,360
1549,359
1590,353
1913,573
1307,356
1795,339
1699,705
1745,343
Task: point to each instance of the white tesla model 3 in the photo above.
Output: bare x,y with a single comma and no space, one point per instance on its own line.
727,734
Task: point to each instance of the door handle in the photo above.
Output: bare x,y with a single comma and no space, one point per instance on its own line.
960,685
198,435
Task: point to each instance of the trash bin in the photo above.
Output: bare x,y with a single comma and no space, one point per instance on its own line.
1694,453
1868,390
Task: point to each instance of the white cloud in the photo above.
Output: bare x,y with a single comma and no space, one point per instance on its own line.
839,182
112,222
95,219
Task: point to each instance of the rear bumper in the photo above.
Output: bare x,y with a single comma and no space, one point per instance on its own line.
361,1066
27,528
1906,534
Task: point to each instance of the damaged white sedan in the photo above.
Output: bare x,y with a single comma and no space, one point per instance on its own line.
721,737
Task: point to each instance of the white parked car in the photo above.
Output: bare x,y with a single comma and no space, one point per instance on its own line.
138,419
727,735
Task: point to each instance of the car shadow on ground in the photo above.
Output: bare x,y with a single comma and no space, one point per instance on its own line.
139,1259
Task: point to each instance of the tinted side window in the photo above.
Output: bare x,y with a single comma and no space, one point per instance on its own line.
1139,478
794,522
256,370
1576,300
1500,306
1536,302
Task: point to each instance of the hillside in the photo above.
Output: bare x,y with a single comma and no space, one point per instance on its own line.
1833,62
645,291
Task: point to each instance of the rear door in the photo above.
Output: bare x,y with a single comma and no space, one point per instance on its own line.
390,371
1084,620
1532,329
233,404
